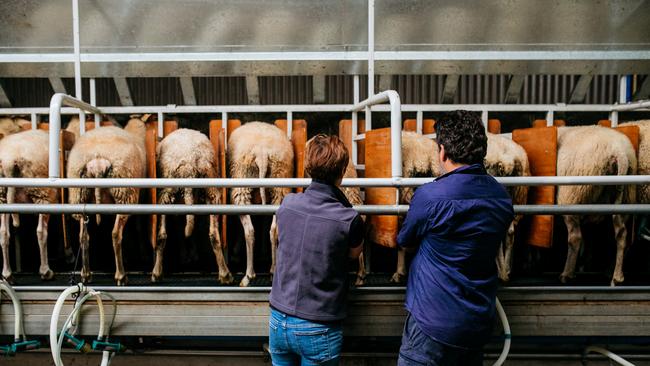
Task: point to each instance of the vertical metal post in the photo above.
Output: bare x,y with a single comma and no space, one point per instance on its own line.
549,118
371,60
484,119
77,63
622,98
224,125
289,124
161,124
93,100
418,121
34,121
355,119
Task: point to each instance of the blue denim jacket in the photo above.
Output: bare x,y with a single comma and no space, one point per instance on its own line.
458,222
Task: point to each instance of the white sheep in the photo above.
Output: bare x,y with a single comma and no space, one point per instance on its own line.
25,155
10,126
188,153
259,150
643,168
506,158
594,150
107,152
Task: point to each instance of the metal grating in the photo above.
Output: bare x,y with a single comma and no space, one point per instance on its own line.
339,89
220,90
28,92
419,89
286,89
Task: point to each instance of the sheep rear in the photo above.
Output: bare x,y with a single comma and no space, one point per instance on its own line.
97,168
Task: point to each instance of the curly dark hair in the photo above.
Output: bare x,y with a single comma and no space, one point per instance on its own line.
463,135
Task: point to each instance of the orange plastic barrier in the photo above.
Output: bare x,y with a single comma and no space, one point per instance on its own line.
299,141
541,146
345,134
632,132
378,165
427,126
494,126
605,123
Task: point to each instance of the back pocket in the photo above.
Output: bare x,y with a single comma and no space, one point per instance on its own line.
313,344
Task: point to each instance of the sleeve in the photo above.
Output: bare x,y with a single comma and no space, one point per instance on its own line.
415,224
357,231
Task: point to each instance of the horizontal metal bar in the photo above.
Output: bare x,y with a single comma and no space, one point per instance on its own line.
277,108
148,209
303,182
632,106
446,55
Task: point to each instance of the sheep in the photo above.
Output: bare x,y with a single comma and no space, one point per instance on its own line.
506,158
188,154
25,155
107,152
643,168
10,126
594,150
259,150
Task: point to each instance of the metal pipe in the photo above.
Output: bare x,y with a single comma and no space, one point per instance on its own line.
93,100
77,62
56,103
632,106
297,108
392,97
148,209
371,60
302,182
161,124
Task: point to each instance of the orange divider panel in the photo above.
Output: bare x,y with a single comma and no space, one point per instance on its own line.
632,132
150,142
218,140
605,123
541,123
66,141
345,134
428,126
383,229
541,146
494,126
168,127
299,141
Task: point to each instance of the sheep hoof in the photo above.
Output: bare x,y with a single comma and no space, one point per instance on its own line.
504,277
86,278
10,279
48,275
156,278
617,281
565,278
122,281
246,280
69,256
398,278
361,280
228,279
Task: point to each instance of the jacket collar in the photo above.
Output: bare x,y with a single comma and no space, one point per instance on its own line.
329,190
476,169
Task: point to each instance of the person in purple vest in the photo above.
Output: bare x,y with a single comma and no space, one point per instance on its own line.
318,232
456,224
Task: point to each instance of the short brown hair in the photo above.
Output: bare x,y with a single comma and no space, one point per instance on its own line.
326,158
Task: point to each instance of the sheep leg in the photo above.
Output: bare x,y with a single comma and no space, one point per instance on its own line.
4,242
507,253
501,266
41,233
274,243
120,275
574,244
166,197
156,274
400,274
620,233
361,272
84,242
225,277
249,233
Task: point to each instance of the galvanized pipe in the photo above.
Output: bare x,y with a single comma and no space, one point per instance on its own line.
148,209
392,97
302,182
56,103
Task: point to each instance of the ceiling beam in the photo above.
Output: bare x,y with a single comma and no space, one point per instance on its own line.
57,85
4,99
123,91
450,88
513,91
187,87
579,92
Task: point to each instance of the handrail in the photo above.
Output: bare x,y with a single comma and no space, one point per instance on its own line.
304,182
57,101
392,97
176,209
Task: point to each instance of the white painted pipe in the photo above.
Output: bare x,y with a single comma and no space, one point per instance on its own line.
54,321
611,355
506,333
19,332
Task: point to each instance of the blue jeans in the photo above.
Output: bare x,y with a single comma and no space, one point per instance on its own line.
418,349
295,341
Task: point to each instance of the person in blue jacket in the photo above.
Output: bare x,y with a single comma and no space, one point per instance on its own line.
456,224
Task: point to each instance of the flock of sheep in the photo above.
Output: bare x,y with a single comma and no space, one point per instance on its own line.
261,150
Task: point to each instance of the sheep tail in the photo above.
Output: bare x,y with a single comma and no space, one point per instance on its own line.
262,162
98,168
11,191
188,197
